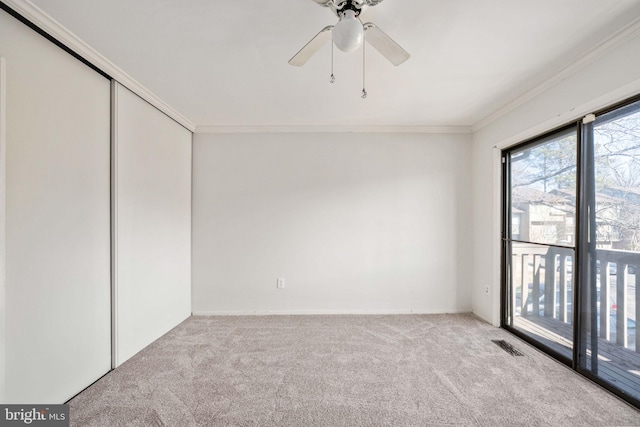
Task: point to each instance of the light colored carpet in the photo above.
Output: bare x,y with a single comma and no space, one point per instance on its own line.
405,370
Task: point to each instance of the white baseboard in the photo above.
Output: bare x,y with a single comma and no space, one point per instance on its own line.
326,312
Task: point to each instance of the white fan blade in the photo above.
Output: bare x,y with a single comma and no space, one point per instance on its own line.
371,2
384,44
301,58
325,3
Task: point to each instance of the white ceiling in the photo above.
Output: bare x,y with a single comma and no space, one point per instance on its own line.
224,63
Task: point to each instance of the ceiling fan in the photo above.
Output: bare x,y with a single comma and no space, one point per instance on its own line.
349,32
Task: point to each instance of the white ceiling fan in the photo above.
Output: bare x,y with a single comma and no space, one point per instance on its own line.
349,32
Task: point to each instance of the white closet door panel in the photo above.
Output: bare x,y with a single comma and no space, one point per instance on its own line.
57,219
153,223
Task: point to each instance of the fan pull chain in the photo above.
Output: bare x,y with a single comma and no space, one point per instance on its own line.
364,92
332,79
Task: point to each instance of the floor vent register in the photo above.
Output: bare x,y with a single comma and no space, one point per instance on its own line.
508,347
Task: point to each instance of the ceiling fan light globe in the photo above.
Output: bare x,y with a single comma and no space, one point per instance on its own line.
348,32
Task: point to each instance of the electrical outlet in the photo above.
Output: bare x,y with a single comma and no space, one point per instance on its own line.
280,283
486,290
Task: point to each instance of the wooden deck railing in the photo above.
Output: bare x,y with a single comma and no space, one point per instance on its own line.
626,265
547,276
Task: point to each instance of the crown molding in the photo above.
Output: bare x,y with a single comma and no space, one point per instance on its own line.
56,30
617,39
573,114
334,129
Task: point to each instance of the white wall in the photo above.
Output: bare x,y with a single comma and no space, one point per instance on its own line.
3,175
353,222
610,78
58,334
152,222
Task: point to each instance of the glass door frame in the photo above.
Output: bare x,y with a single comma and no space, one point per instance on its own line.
506,245
582,268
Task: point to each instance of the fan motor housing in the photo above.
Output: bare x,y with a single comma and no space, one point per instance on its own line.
350,5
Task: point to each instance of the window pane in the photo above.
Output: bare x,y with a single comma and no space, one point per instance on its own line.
612,319
543,191
617,164
541,293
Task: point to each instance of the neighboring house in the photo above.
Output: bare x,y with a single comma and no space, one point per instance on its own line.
618,218
550,217
542,217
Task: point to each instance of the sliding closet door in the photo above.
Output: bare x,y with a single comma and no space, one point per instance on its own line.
57,337
152,222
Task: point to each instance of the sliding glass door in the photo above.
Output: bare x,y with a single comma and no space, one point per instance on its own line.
542,179
571,236
609,345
